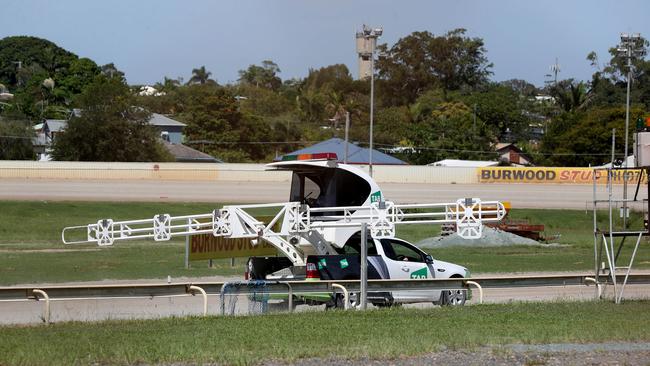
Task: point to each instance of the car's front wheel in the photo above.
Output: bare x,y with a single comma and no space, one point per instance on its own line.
339,301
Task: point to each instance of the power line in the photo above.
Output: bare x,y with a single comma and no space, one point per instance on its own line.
427,148
488,152
16,137
384,146
210,142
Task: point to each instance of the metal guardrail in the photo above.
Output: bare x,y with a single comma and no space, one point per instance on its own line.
70,292
78,292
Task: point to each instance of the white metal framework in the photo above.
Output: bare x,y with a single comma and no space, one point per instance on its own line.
298,220
605,240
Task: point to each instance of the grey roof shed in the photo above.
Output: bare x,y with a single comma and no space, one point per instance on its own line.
356,154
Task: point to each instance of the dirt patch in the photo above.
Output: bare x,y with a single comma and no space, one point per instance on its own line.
559,354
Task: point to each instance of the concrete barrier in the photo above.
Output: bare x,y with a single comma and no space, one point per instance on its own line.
257,173
136,171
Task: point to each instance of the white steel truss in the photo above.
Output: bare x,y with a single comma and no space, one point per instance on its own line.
297,219
605,238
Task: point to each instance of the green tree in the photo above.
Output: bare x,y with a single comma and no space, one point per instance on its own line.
110,127
25,62
80,73
201,76
502,108
521,87
264,76
422,61
111,71
16,138
584,138
448,131
212,118
327,93
393,125
168,85
20,52
570,95
261,101
609,82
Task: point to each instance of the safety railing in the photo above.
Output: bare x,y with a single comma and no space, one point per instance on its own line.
344,287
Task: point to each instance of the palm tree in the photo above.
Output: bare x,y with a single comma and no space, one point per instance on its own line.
200,76
571,95
336,107
168,84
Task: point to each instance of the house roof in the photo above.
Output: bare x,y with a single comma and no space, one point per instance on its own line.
184,153
503,145
356,154
464,163
162,120
55,125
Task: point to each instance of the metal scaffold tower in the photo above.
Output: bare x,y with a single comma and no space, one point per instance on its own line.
625,218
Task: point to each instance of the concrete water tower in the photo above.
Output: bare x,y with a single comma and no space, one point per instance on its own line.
366,45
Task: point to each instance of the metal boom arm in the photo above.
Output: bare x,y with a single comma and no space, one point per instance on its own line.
468,214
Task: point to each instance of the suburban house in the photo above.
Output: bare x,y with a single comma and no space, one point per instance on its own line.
46,133
510,153
171,132
170,129
185,154
356,154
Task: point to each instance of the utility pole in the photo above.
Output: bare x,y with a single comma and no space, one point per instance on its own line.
347,128
363,286
555,68
474,126
19,65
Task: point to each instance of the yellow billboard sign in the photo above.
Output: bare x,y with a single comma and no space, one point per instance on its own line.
207,246
553,175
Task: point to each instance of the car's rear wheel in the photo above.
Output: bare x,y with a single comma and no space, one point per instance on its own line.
453,297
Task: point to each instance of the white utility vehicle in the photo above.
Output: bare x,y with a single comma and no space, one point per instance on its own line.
319,234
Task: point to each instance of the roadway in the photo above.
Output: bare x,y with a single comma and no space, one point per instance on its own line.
521,195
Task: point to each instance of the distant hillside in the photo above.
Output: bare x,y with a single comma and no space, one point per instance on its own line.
26,62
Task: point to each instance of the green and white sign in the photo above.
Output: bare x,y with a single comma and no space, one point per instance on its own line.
420,273
375,197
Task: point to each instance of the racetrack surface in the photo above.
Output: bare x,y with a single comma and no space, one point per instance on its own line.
521,195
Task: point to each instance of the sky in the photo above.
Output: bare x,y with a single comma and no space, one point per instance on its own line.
151,39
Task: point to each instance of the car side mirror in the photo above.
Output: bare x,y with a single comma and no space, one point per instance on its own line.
428,259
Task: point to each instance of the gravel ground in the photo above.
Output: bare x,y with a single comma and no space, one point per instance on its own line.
558,354
490,237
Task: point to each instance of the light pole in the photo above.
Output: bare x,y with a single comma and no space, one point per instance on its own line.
367,50
631,46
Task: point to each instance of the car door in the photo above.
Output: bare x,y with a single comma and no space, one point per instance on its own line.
405,261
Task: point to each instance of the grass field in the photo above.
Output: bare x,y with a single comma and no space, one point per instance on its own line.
377,334
31,250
